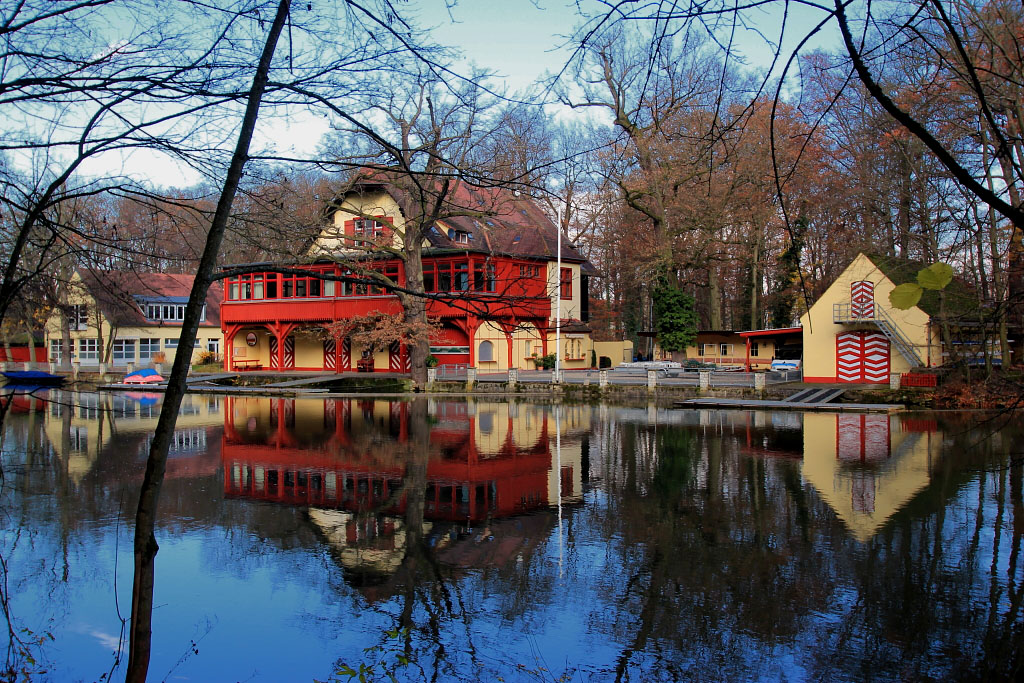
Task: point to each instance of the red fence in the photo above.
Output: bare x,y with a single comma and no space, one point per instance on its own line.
20,353
909,379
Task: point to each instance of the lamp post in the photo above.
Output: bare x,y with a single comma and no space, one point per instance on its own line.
558,299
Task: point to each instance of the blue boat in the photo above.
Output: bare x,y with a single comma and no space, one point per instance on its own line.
34,377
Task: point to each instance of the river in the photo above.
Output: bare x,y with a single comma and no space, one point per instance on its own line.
301,539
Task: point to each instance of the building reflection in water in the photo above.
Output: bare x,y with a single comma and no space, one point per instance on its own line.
868,466
353,464
113,432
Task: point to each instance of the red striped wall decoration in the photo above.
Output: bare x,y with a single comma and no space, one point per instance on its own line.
862,357
395,357
862,298
330,354
346,354
289,352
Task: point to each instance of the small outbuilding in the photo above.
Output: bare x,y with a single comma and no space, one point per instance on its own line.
853,334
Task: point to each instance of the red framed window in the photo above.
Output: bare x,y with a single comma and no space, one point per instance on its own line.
484,277
565,283
447,276
364,232
368,286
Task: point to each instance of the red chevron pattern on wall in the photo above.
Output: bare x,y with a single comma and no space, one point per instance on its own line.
330,354
395,357
273,353
346,354
862,357
862,298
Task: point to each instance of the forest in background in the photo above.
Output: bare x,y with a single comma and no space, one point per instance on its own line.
748,193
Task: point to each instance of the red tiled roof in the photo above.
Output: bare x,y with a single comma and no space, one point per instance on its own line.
500,220
117,293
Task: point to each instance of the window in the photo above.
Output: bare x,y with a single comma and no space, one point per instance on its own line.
56,350
124,350
486,353
529,271
753,349
726,349
459,237
429,278
453,276
709,349
170,343
368,229
88,351
170,312
484,279
213,345
148,348
79,438
78,316
565,285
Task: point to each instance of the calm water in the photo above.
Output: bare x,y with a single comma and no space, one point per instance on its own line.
492,540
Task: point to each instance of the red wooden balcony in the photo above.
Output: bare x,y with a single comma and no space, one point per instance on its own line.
460,287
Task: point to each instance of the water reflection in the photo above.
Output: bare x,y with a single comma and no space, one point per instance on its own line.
349,462
616,543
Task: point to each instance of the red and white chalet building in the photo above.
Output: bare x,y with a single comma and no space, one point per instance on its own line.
499,268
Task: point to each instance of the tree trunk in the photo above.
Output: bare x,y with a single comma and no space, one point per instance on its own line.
31,348
714,299
1014,269
145,519
65,340
903,219
415,305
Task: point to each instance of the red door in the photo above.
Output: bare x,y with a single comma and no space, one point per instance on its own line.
862,357
289,353
330,354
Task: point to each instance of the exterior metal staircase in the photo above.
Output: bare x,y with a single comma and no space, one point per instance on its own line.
843,313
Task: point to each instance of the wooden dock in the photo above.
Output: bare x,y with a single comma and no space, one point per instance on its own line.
753,404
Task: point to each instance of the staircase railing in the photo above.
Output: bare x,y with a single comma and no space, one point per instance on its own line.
843,313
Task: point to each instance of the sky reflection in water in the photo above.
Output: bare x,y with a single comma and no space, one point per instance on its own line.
687,544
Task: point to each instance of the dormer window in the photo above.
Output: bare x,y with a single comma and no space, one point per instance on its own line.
367,229
167,311
459,236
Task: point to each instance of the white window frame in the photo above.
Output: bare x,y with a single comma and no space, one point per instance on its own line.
78,317
159,311
151,349
88,351
119,354
57,348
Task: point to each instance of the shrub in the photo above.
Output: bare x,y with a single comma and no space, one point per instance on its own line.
207,358
545,362
593,358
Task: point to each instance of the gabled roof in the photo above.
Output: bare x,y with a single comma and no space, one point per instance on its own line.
118,293
500,220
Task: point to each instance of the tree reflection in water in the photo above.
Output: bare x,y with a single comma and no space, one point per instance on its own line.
706,545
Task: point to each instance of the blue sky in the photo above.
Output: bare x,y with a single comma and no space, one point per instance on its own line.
518,40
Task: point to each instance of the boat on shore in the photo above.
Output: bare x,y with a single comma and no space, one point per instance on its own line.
33,377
